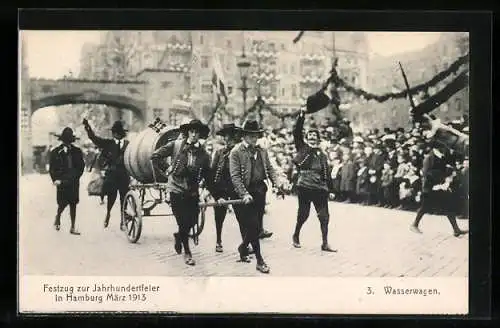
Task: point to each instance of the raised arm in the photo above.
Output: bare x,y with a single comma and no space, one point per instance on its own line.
98,141
298,134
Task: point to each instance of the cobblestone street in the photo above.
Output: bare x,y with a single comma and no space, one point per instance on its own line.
371,242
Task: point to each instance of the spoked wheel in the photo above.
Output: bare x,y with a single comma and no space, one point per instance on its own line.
132,216
199,225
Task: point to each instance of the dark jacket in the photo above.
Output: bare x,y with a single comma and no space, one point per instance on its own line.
69,189
348,176
112,154
306,154
185,178
362,182
220,174
433,171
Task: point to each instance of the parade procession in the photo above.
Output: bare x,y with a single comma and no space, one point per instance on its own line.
227,190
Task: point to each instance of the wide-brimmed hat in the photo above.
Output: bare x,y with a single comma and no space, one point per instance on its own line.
118,128
67,135
252,126
228,129
203,129
317,102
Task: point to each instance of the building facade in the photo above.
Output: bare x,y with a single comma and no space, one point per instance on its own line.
282,73
420,66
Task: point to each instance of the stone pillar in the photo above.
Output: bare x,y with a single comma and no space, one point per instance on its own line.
26,143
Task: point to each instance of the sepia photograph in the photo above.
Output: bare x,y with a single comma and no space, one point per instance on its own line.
243,171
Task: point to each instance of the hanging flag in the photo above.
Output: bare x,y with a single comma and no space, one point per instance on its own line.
218,83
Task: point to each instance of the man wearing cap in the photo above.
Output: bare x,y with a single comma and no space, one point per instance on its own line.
116,178
314,181
250,167
66,167
221,178
190,165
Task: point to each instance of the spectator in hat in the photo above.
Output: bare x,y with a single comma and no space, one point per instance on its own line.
348,178
116,177
66,166
387,184
362,182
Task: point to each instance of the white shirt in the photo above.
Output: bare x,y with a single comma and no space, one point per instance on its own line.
437,153
119,142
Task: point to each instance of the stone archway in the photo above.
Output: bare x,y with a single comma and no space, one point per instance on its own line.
40,93
153,89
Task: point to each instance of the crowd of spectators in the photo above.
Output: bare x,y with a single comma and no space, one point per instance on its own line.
377,168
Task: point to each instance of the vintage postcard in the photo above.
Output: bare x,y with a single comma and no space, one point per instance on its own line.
308,172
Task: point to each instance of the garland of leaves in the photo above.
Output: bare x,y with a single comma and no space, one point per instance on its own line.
452,69
403,94
260,103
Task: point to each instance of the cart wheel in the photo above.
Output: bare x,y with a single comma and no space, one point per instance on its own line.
198,227
132,216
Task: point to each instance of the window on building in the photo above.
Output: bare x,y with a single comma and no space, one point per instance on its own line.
283,46
273,90
284,69
204,61
292,69
157,112
206,88
282,92
229,44
201,39
294,90
272,46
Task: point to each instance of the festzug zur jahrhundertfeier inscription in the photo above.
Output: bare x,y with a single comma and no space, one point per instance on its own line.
99,293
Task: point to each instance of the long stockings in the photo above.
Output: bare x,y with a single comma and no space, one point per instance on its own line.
320,200
422,210
72,213
220,213
112,194
248,216
186,209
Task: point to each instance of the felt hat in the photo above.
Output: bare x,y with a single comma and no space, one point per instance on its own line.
252,126
67,135
228,129
203,129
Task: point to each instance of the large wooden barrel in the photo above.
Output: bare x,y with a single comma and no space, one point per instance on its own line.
137,156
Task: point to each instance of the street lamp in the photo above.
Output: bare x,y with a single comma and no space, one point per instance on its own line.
244,67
